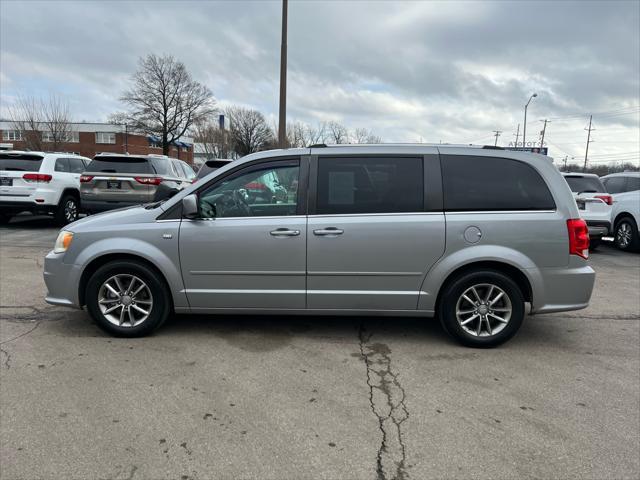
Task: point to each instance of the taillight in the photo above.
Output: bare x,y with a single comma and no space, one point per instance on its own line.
608,199
578,237
85,178
149,180
37,177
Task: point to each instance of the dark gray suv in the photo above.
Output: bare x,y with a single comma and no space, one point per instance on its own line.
114,180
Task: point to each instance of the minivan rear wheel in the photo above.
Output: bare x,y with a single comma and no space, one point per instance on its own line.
127,299
482,308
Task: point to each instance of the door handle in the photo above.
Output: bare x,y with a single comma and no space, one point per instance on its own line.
284,232
329,231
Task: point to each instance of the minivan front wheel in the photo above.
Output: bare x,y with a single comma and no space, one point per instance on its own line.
127,299
482,308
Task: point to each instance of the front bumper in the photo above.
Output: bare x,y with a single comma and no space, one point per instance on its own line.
62,280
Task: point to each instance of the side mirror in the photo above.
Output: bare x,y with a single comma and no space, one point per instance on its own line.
190,206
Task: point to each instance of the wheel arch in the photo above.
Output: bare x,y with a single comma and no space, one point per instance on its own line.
102,260
70,191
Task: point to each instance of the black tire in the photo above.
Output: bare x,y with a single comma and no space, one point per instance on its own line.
626,243
161,307
454,291
4,218
68,210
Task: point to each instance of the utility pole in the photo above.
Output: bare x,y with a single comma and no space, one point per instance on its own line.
524,129
544,129
586,151
517,135
497,134
565,162
282,124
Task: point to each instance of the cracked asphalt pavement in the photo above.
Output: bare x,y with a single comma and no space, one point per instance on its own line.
317,397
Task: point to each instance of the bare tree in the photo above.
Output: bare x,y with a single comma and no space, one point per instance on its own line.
362,135
336,133
214,140
248,130
164,100
42,122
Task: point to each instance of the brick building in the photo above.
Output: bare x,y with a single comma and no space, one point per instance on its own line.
88,139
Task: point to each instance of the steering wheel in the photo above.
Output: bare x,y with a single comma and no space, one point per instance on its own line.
241,203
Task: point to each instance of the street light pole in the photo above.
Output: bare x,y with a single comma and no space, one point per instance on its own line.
524,130
282,124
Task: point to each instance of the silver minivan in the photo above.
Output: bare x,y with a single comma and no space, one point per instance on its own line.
475,236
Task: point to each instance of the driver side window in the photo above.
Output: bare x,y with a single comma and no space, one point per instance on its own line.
253,192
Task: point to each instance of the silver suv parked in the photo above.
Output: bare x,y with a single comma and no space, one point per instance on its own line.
477,237
116,180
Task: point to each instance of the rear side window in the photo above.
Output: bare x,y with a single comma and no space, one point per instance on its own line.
62,165
188,171
21,163
163,166
120,165
76,165
578,184
615,184
369,185
633,184
492,184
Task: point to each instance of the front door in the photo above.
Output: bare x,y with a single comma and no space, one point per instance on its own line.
248,249
372,234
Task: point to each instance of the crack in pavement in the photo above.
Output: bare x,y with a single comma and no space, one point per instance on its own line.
387,400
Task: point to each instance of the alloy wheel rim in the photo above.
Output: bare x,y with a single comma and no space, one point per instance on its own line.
623,235
125,300
70,210
483,310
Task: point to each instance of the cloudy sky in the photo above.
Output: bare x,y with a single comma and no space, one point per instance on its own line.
416,71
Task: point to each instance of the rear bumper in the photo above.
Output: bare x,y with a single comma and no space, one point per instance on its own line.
598,228
103,206
564,289
15,207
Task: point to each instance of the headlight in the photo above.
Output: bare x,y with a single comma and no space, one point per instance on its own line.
63,241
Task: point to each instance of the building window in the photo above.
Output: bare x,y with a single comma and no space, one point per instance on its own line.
70,137
105,137
11,135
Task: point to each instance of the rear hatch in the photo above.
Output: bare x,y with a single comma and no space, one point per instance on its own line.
119,179
591,197
19,174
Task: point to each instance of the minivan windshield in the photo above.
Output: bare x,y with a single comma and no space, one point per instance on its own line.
20,163
579,183
120,165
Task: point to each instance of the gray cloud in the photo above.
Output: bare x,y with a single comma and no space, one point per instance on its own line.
450,71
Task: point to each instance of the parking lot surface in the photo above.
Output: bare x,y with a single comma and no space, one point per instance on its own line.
314,397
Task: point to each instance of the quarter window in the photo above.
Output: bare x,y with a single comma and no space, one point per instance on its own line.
105,137
633,184
492,184
354,185
253,192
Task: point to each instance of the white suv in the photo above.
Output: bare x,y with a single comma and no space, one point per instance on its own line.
594,204
40,182
625,216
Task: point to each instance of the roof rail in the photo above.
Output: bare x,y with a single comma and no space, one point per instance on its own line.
318,145
492,147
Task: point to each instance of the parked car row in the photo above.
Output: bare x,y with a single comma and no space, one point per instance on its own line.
610,205
63,184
